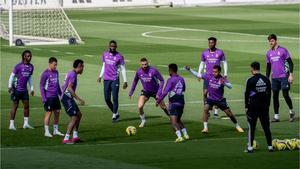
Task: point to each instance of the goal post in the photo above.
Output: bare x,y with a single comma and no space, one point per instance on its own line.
36,22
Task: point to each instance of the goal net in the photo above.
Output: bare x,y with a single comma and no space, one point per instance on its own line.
36,22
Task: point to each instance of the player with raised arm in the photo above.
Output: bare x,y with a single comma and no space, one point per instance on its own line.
152,83
112,61
175,87
215,88
209,58
17,87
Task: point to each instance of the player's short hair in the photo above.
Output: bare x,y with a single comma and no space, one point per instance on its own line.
212,38
272,36
113,41
144,60
255,65
217,67
77,62
52,59
24,52
173,67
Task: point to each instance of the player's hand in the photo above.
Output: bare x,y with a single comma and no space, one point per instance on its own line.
130,97
10,90
156,104
81,102
32,93
99,79
221,81
199,79
290,79
225,76
125,85
157,97
187,67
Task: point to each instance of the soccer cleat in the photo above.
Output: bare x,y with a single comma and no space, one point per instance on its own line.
76,140
12,127
47,134
216,116
239,129
271,150
27,126
205,130
292,117
115,118
58,133
274,120
186,137
142,124
67,142
179,140
248,151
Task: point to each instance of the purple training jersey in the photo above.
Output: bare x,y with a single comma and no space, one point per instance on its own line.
71,77
277,60
215,88
49,84
211,59
151,80
22,74
175,87
112,63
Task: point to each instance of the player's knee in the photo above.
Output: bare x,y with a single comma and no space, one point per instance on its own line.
285,93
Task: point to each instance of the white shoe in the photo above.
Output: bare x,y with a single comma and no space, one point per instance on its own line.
12,127
47,134
27,126
58,133
142,124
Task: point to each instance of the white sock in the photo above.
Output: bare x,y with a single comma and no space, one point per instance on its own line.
142,117
184,132
114,115
12,122
291,111
216,111
46,129
75,134
178,133
26,120
67,137
205,125
276,116
270,147
250,148
55,127
237,125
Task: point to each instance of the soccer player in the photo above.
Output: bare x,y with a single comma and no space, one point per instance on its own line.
175,87
282,76
112,62
17,87
69,93
215,88
149,77
50,93
257,102
210,57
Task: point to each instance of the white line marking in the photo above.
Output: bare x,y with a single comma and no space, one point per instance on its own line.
36,49
69,53
162,65
54,51
127,60
179,28
89,56
134,104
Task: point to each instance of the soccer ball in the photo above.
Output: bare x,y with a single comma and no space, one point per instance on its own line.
274,143
291,144
131,130
298,143
281,146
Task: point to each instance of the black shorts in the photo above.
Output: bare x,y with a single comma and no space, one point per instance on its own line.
19,95
176,110
52,104
222,104
70,105
205,84
148,94
280,83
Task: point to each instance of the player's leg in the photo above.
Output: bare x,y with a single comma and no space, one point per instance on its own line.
141,102
276,86
55,123
13,115
233,119
25,101
71,125
115,86
180,123
46,123
207,107
216,112
163,106
252,120
265,123
174,122
75,138
285,86
107,94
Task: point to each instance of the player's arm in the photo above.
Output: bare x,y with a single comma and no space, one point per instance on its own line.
268,70
193,72
225,65
226,83
10,81
101,72
201,66
269,93
164,93
31,85
123,71
42,87
247,93
133,86
291,67
58,86
161,84
70,89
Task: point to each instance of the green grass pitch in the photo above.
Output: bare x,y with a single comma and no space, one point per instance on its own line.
162,35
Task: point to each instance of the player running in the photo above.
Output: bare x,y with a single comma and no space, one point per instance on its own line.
149,77
175,87
215,88
210,57
50,92
17,87
71,108
279,61
112,62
